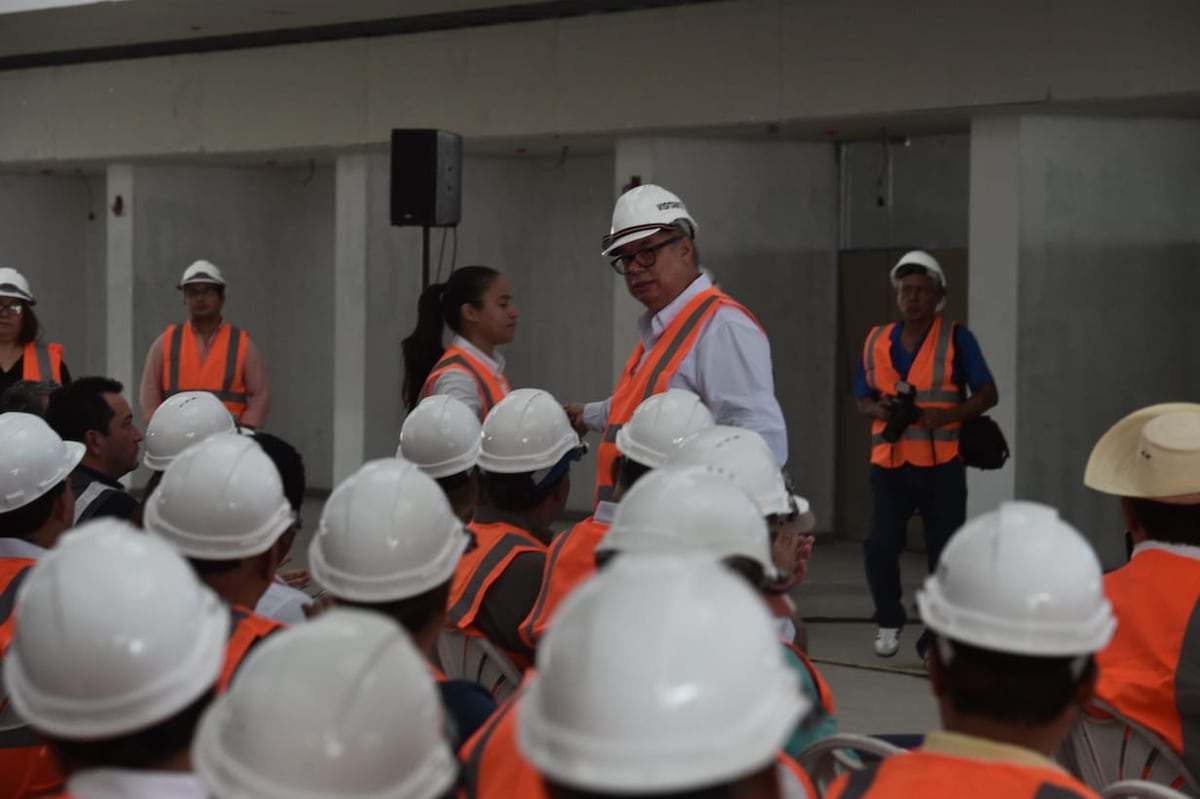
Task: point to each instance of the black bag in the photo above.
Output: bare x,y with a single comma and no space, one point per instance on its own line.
981,442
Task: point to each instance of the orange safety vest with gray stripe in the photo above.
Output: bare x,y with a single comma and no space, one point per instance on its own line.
824,692
222,372
42,362
246,630
26,768
497,544
641,380
491,387
570,560
932,377
932,775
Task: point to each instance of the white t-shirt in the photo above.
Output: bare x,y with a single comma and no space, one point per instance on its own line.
116,783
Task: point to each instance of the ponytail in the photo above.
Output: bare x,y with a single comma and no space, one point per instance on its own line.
424,347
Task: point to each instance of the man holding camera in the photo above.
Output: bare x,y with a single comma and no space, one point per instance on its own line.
913,383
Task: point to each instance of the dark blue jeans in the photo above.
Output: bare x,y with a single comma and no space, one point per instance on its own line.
940,494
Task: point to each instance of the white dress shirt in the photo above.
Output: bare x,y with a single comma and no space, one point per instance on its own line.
118,783
460,385
283,603
20,549
730,368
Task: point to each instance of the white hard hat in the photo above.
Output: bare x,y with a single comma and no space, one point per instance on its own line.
1019,580
202,272
640,212
182,420
340,708
387,533
442,436
686,684
221,499
922,259
33,459
744,454
691,509
14,284
527,431
660,423
114,634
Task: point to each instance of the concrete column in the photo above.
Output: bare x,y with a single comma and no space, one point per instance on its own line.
349,314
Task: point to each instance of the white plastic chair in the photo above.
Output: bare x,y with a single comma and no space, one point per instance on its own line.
1140,789
477,660
829,758
1107,749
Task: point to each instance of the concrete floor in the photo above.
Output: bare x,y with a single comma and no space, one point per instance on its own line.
873,695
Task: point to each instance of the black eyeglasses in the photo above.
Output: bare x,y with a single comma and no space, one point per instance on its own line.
645,257
14,308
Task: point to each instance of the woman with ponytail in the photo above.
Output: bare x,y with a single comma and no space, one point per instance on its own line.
476,304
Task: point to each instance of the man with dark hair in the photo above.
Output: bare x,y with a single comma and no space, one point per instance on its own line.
36,507
282,601
1017,614
118,719
1150,673
92,411
27,396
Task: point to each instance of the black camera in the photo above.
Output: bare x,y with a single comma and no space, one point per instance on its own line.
904,412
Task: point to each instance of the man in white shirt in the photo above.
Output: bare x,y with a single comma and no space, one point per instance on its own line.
693,336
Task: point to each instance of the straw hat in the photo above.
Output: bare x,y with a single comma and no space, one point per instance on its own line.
1153,453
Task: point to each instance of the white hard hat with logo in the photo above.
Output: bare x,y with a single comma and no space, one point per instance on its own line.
745,455
14,284
527,431
343,707
660,423
686,684
691,509
1022,581
33,459
114,635
221,499
202,272
441,436
182,420
642,211
387,533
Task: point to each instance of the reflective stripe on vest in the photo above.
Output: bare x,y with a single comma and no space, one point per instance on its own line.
569,561
246,629
228,385
491,387
932,377
90,500
642,380
496,546
42,362
943,776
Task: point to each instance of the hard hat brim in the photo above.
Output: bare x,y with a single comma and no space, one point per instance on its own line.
615,241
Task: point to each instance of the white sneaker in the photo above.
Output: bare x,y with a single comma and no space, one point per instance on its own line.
887,641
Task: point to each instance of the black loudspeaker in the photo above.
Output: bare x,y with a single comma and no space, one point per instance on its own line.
426,178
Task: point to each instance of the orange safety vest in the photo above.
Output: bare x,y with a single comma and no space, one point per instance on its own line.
932,775
642,380
439,676
570,560
932,376
26,767
246,629
1150,671
42,362
824,692
497,544
223,371
798,774
491,388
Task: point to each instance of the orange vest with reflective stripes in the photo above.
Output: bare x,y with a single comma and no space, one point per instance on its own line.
570,560
497,544
223,371
26,767
932,775
246,630
42,362
491,388
932,376
824,693
642,380
1150,671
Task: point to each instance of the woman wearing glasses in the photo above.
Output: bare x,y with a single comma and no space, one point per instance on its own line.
476,304
22,355
693,335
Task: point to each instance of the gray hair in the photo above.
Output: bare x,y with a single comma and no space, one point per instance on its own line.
27,396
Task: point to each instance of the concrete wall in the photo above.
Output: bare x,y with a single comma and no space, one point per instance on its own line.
768,230
48,237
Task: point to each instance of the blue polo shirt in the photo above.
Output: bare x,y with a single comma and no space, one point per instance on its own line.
969,366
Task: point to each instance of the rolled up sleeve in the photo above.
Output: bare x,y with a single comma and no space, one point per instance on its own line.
595,415
258,394
150,396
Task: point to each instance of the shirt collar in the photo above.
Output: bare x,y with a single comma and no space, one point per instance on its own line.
956,744
19,549
100,476
116,783
1182,550
496,364
605,511
652,325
